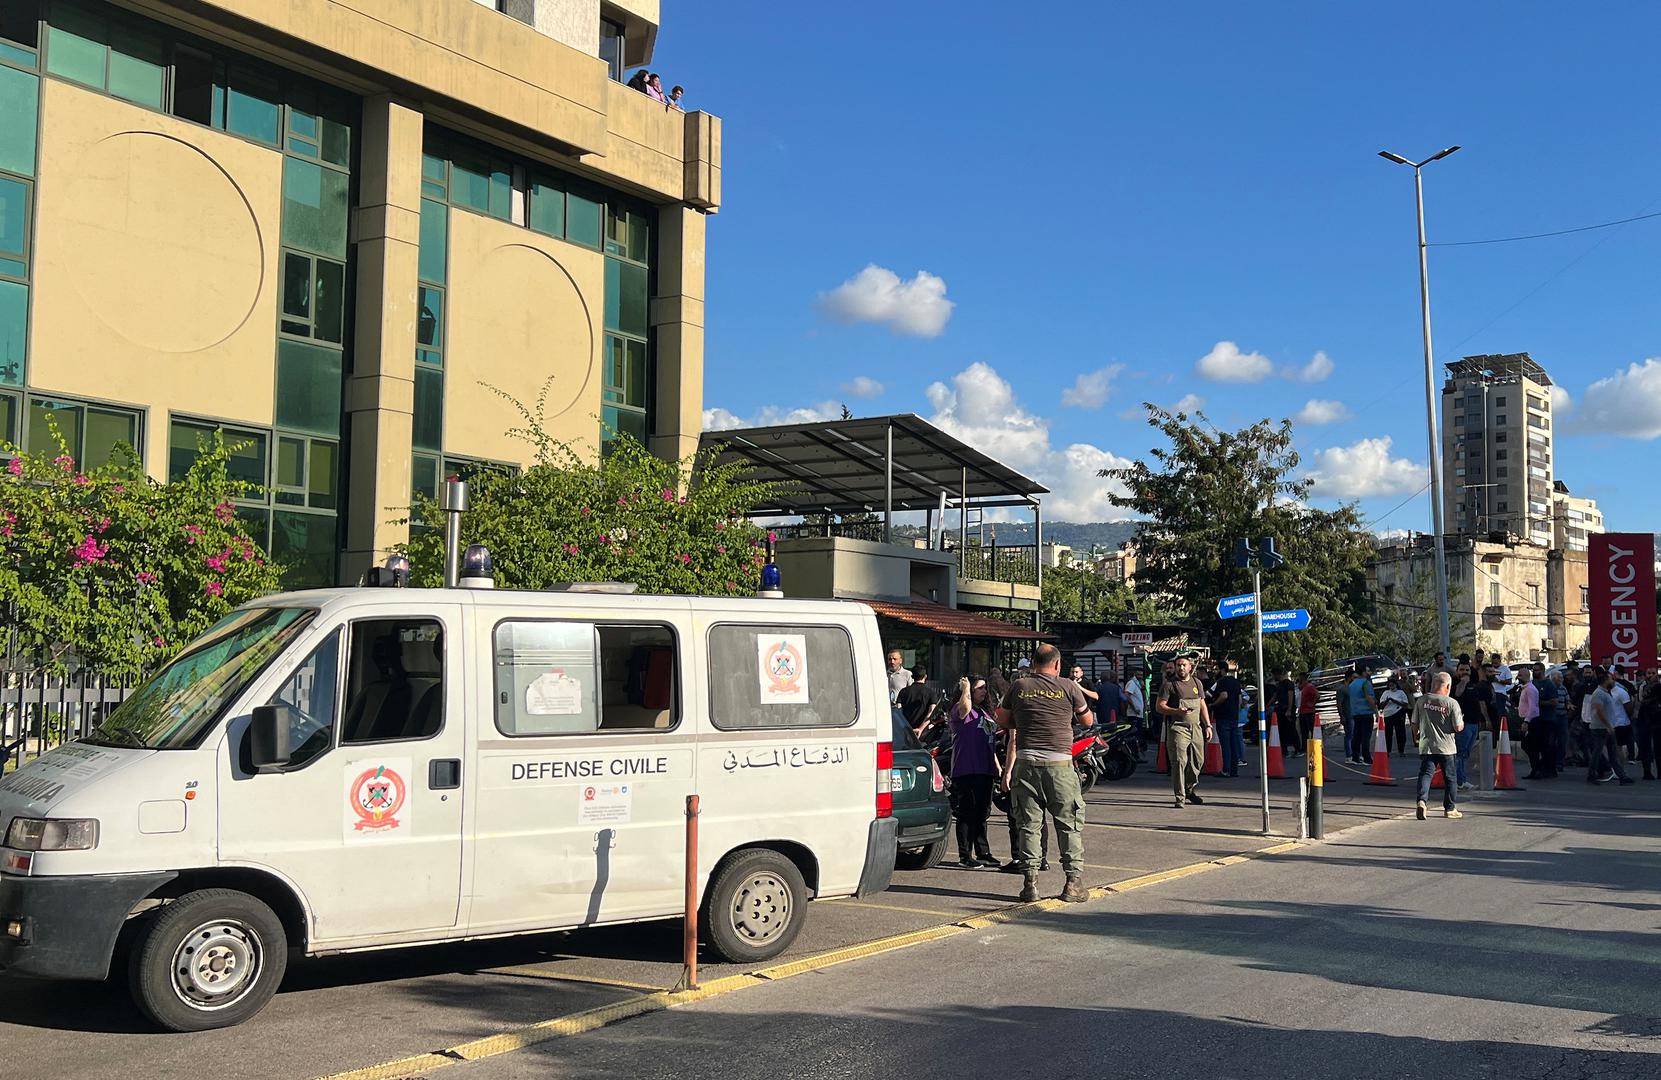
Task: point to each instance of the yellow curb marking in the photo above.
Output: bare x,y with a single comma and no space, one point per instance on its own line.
893,907
578,1023
556,975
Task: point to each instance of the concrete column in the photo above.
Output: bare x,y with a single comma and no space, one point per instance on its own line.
678,328
380,392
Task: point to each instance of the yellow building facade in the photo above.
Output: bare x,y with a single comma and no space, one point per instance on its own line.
344,233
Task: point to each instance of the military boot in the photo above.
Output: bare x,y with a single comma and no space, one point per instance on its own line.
1075,892
1029,890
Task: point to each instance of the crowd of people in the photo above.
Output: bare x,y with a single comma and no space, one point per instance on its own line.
650,83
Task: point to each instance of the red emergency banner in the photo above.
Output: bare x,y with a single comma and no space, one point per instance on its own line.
1621,567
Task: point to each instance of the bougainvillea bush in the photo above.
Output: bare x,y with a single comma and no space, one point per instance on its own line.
113,571
667,526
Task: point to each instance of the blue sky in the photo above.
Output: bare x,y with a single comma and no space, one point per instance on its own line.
1114,190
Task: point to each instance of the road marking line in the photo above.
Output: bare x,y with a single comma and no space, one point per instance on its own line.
893,907
578,1023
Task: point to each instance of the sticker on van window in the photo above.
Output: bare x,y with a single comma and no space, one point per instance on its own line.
783,665
554,693
377,797
607,804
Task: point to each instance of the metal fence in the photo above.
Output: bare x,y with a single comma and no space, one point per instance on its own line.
39,711
1000,562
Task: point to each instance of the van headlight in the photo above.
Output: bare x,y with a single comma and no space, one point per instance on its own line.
52,834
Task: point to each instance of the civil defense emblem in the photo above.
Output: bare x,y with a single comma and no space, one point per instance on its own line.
783,668
376,796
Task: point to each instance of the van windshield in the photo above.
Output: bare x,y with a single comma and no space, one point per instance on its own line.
173,709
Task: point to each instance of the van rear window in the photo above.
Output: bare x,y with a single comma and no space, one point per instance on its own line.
781,676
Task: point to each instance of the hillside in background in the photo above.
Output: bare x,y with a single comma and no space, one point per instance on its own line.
1080,536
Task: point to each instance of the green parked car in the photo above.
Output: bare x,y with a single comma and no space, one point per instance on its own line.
921,805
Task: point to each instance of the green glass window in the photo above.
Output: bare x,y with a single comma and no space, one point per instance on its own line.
47,416
627,233
251,108
76,46
620,421
308,387
429,408
626,301
305,546
435,240
8,418
314,208
136,70
290,480
547,208
331,301
429,325
248,452
14,327
19,108
313,297
625,371
105,430
313,133
14,217
478,184
19,30
296,301
182,442
320,475
424,476
435,174
582,220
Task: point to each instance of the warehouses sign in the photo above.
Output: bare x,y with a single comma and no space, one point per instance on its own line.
1622,598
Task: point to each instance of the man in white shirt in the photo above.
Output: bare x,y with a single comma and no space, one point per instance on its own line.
1136,702
1606,711
898,677
1528,711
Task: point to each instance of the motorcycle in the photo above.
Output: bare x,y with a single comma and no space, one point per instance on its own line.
1105,752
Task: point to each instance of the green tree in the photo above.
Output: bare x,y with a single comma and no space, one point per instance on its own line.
1080,594
1206,489
115,571
667,526
1406,625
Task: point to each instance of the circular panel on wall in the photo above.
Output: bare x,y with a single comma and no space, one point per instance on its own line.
552,336
162,243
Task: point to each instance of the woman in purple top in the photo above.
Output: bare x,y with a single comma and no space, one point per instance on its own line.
973,770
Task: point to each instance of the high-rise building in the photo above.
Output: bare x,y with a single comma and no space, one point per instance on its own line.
1496,448
334,231
1573,520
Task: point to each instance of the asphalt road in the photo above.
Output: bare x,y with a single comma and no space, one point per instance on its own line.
1531,921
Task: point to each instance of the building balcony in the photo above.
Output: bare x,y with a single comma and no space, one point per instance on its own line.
1493,616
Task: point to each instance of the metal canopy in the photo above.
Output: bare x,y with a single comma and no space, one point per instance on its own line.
842,466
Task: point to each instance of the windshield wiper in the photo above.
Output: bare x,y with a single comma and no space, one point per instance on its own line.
114,737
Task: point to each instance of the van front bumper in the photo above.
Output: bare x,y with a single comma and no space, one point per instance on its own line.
881,844
65,927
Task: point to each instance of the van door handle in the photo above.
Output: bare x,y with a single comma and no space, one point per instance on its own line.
444,773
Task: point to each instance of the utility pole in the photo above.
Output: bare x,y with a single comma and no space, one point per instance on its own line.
1430,392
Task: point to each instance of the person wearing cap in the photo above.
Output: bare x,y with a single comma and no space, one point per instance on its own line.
1181,704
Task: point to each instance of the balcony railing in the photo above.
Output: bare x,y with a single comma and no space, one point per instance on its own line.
1017,563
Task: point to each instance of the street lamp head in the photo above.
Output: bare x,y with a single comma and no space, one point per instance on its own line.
1397,158
1443,154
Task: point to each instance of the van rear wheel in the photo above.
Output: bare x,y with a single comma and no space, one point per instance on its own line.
754,907
210,959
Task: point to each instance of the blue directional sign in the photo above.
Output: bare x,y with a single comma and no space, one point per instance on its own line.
1232,607
1295,619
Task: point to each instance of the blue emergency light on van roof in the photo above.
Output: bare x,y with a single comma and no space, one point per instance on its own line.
394,575
478,569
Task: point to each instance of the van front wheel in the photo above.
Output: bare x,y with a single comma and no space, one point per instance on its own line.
754,907
210,959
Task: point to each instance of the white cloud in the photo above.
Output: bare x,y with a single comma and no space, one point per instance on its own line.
1092,389
877,295
1561,402
1189,403
1322,411
723,420
979,407
1627,403
1226,363
1364,469
863,386
1317,370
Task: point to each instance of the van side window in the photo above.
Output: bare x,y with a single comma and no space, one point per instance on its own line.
567,678
781,677
310,696
394,681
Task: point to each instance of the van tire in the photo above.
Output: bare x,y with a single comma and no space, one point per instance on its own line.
220,937
754,906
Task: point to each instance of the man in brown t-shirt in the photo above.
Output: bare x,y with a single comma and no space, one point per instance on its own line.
1038,768
1187,729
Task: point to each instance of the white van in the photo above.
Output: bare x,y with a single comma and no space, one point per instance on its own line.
353,769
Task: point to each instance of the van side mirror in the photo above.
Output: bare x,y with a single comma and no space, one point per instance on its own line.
268,738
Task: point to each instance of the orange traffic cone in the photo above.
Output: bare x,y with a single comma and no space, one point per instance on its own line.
1381,758
1213,755
1277,767
1162,765
1505,769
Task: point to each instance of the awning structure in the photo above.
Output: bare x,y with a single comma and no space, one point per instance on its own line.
950,622
871,464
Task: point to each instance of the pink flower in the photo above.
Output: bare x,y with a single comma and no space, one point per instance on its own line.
145,577
194,530
81,480
772,537
586,510
668,494
247,552
216,563
6,531
224,512
15,466
160,643
215,589
64,462
720,549
89,550
686,560
120,489
720,525
622,500
572,549
605,538
732,585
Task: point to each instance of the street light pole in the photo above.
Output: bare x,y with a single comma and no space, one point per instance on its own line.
1430,395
